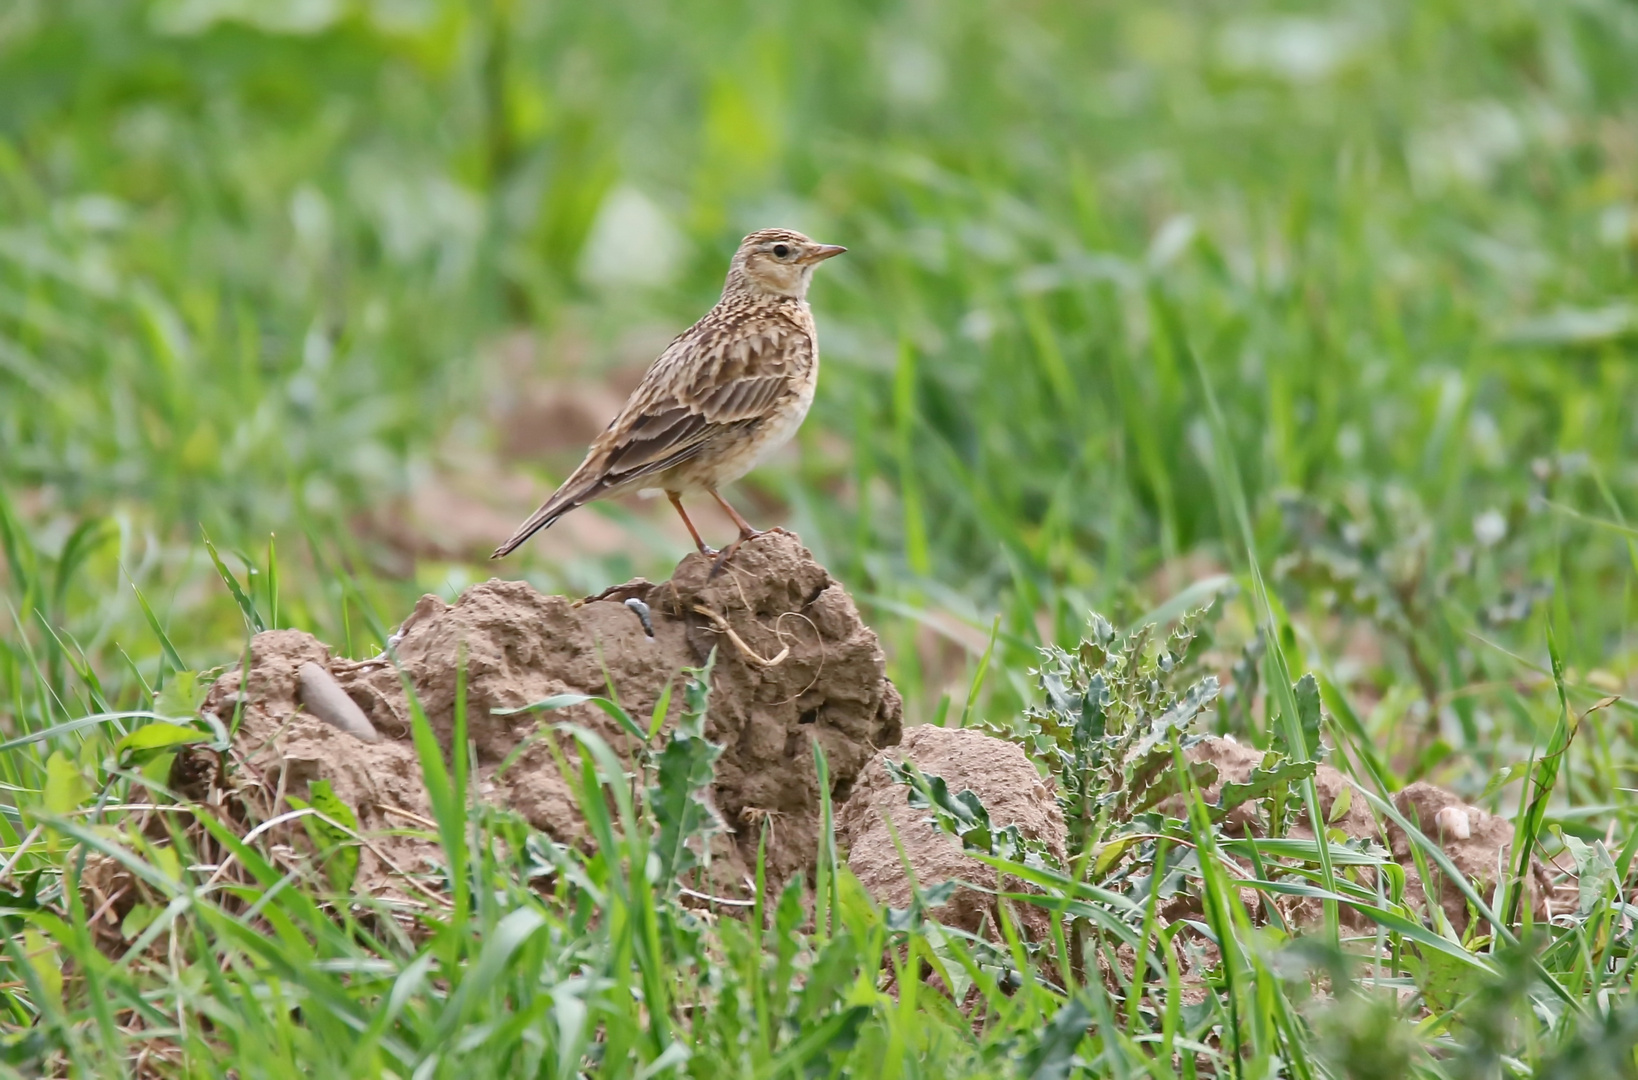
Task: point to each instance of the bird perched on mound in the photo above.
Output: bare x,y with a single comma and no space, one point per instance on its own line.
725,394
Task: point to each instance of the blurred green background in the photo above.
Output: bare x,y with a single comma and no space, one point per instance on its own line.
347,285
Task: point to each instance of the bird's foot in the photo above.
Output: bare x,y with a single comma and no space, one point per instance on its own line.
728,553
744,535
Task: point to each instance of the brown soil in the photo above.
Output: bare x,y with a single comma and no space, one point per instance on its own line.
795,666
1475,841
1013,793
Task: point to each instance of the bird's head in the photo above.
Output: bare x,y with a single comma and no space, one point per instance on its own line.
778,261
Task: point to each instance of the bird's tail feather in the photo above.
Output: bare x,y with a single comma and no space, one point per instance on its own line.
555,507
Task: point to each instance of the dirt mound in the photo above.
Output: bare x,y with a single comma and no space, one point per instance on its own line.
1014,793
1002,776
795,665
1477,842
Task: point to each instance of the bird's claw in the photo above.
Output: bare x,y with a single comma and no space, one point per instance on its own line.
722,559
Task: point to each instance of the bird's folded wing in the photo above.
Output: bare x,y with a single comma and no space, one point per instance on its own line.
656,441
680,410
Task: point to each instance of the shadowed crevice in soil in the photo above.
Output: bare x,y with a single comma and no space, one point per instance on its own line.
795,666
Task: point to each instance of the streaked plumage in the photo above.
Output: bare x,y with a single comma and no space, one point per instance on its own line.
727,392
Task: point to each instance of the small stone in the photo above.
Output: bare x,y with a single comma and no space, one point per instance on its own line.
1453,823
322,696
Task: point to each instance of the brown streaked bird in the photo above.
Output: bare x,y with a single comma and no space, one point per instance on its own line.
725,394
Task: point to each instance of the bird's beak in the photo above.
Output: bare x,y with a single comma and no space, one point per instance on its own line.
821,252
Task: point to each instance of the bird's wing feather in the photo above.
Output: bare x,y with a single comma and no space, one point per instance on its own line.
713,381
745,399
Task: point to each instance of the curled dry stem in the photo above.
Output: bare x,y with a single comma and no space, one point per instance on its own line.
739,643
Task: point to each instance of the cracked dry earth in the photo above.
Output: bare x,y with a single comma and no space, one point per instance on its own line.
794,666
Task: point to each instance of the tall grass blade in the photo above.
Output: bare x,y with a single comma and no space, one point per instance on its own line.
247,606
1227,475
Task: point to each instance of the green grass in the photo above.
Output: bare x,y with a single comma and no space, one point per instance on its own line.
259,279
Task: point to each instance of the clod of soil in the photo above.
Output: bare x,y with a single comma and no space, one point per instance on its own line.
1476,841
794,666
1013,793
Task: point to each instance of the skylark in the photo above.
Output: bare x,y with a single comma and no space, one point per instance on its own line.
725,394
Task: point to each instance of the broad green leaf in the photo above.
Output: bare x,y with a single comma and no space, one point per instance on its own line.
1504,777
684,770
1109,853
1444,980
157,769
1263,781
1595,872
342,862
1340,807
138,919
65,786
168,862
42,956
182,695
1307,695
159,735
152,748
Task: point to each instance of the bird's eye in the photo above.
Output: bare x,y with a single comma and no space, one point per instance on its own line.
781,250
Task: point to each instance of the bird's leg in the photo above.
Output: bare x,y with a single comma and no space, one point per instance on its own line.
746,532
705,549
